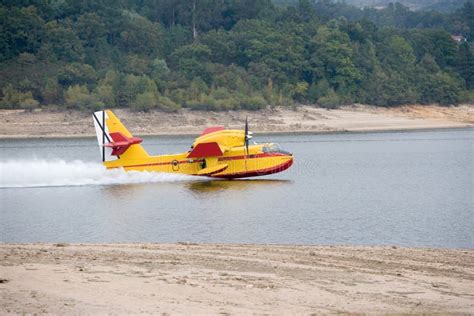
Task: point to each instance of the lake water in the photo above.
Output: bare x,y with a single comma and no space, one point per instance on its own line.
403,188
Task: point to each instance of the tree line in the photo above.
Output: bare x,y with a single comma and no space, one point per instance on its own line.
230,54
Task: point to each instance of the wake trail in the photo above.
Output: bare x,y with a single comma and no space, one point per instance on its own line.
45,173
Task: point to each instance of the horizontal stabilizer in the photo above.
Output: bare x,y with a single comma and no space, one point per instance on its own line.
203,150
121,143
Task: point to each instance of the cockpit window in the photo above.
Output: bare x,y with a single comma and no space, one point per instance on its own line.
274,148
271,148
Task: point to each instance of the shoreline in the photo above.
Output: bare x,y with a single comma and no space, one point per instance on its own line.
19,124
428,129
418,129
233,278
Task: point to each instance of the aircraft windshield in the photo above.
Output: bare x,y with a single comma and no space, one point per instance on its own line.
273,148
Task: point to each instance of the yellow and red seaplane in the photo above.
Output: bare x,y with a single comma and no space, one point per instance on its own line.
217,152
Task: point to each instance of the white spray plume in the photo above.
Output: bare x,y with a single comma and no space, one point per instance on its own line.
44,173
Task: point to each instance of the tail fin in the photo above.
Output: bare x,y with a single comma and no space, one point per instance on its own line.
115,141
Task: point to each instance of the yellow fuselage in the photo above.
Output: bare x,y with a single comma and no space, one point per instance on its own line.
238,163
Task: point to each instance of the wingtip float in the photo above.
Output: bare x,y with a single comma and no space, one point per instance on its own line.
217,152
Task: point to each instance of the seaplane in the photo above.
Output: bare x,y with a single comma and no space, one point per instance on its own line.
216,153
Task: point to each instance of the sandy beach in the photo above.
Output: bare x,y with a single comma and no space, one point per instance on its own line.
185,278
355,118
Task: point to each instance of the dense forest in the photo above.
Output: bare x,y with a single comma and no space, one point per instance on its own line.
230,54
437,5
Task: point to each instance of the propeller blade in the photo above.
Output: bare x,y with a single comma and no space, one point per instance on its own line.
246,138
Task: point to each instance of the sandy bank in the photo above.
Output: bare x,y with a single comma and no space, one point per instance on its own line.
18,123
183,278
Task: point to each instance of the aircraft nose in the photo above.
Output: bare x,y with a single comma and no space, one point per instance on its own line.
287,161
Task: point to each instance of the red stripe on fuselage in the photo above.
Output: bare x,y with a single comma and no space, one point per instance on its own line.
157,164
260,172
262,155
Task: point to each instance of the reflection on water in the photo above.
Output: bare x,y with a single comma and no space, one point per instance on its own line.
411,189
123,190
215,186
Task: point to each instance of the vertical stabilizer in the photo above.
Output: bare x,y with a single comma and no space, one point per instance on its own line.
115,141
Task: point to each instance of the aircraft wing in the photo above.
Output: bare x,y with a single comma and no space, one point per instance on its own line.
211,152
204,150
212,144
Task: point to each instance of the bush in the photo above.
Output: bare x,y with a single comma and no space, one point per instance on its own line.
205,103
220,93
93,106
227,104
178,96
77,73
78,97
444,89
29,103
166,104
144,102
253,103
148,101
467,96
13,99
330,101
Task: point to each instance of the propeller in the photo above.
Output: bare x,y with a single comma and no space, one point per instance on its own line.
247,137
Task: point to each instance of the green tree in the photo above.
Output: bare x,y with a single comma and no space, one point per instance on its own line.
63,42
465,65
428,65
139,35
467,14
279,53
26,59
441,88
158,72
197,89
300,91
319,90
79,97
398,54
136,85
108,89
90,28
21,30
332,58
136,65
76,73
51,92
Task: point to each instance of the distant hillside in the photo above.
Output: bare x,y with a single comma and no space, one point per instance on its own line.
230,55
438,5
415,5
